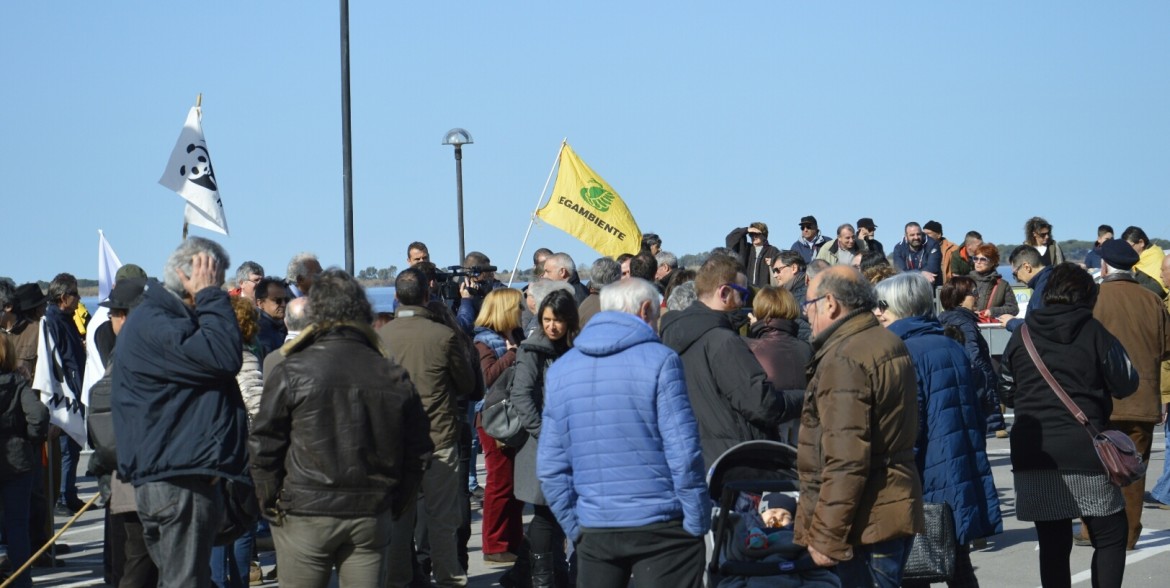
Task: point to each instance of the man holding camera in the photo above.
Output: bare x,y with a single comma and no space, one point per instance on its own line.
478,278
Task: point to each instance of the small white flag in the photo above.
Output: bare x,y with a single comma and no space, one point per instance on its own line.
190,174
108,264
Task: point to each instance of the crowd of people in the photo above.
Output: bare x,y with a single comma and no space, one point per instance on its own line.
292,408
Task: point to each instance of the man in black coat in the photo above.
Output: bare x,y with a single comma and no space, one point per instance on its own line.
729,390
754,254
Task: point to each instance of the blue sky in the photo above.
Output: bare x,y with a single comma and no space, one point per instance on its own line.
704,117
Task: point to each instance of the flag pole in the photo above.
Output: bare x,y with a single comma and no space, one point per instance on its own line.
198,104
532,220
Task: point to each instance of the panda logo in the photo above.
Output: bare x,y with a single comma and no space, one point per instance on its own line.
198,170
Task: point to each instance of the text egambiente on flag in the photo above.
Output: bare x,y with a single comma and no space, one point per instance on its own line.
585,206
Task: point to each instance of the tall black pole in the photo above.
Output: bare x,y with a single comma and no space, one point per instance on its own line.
459,197
346,143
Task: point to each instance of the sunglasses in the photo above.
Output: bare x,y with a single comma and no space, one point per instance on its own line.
981,258
883,306
1045,234
743,292
778,269
807,303
279,300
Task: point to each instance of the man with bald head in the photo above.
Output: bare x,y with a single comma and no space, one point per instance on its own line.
860,495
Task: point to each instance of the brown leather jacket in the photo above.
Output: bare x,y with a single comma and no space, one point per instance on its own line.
1139,320
858,481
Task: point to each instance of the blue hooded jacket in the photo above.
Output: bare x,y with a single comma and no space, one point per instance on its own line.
176,406
951,450
619,445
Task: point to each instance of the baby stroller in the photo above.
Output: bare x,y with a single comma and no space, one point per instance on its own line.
737,480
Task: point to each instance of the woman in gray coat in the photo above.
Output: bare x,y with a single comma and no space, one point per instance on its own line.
559,324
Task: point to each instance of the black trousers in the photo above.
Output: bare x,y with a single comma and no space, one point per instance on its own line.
663,556
1108,535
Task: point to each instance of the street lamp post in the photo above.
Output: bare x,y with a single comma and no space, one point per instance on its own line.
459,137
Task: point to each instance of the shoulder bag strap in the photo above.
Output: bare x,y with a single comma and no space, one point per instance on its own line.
990,298
1068,403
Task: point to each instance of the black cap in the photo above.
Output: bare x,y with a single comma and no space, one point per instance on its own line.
866,223
126,294
1119,254
933,226
29,296
808,220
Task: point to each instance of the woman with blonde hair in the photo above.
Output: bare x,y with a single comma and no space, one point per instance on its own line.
773,339
497,337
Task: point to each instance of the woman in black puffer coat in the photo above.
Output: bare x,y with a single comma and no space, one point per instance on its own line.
958,302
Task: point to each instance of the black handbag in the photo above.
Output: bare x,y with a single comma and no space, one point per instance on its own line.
932,556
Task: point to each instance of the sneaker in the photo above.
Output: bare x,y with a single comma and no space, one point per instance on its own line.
255,574
1001,434
499,559
63,511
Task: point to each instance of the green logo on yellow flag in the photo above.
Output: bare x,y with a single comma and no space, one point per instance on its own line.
588,208
597,196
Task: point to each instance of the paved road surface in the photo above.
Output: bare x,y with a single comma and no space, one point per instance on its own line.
1010,559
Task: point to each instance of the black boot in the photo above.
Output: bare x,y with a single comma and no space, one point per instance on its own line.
543,570
519,576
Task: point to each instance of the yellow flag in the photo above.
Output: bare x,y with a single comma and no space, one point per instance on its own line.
588,208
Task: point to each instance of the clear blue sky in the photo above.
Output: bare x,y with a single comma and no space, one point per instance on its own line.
977,115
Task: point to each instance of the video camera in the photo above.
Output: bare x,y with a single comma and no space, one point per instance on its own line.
448,281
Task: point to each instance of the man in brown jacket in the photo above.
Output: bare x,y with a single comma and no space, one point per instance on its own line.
433,355
861,499
1137,318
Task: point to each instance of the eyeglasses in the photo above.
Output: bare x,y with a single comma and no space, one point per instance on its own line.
981,258
883,306
278,300
743,292
807,303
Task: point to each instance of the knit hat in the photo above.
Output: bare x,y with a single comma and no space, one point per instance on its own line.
933,226
1119,254
780,500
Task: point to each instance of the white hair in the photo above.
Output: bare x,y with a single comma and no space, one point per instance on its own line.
628,295
906,294
667,258
562,260
180,259
540,289
682,296
296,265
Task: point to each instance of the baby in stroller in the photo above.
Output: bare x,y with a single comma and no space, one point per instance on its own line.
761,536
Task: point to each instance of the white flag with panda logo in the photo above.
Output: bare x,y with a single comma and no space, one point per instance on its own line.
190,174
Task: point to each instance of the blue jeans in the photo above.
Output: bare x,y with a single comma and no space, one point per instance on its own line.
70,455
878,565
230,563
1161,491
472,476
16,493
180,518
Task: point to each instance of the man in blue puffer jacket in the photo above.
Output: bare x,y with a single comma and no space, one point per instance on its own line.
630,492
